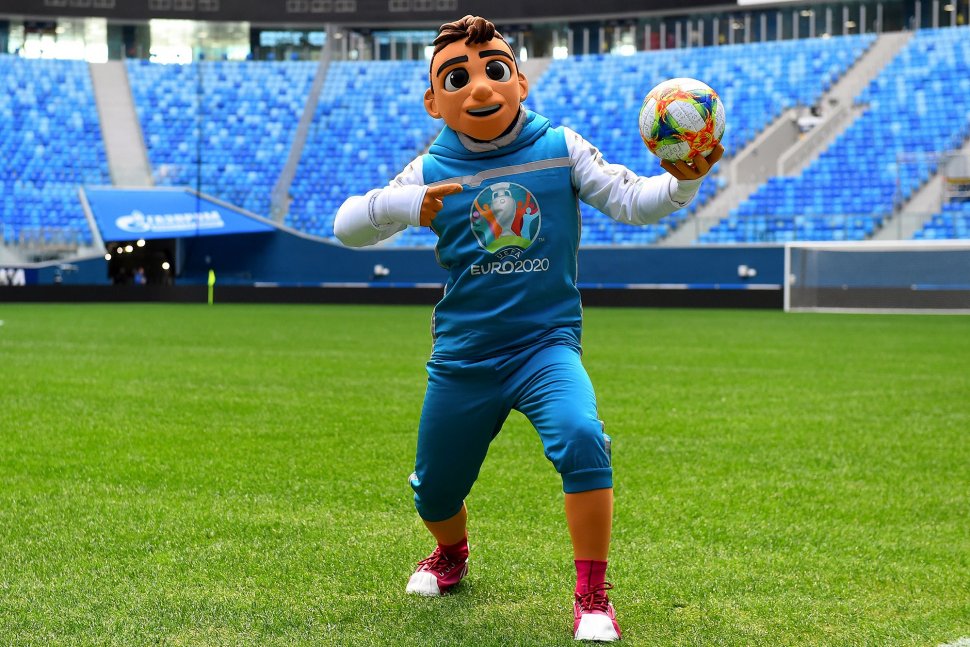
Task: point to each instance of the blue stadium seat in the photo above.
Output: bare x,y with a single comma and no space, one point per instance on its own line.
952,223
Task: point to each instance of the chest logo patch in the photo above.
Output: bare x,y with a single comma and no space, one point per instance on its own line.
504,215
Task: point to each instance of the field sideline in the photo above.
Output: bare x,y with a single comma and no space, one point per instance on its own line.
237,475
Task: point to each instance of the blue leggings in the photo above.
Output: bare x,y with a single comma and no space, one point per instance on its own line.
468,401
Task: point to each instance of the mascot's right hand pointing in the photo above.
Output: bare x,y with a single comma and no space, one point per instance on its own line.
433,203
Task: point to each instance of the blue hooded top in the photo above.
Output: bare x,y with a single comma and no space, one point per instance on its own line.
509,241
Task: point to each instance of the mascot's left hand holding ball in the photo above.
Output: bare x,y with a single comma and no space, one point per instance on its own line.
499,187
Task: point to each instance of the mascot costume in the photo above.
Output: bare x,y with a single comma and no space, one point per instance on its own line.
499,186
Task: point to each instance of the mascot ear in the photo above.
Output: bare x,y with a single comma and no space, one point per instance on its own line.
523,87
430,105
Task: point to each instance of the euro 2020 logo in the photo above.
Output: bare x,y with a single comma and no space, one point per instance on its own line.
505,215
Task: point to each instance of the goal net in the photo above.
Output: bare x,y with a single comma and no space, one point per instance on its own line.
893,276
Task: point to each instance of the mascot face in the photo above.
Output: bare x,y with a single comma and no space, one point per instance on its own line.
476,88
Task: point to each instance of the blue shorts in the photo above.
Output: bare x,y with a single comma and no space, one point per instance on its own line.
468,401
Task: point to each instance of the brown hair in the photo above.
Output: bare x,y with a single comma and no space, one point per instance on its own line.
474,29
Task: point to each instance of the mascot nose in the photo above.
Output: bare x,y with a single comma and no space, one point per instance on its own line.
481,92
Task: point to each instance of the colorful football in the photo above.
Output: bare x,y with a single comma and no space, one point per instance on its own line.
681,119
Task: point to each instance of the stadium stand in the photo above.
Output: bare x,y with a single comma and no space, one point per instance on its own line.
600,96
363,134
249,111
847,191
370,122
50,142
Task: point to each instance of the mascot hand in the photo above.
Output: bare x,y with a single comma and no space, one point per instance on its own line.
432,203
684,171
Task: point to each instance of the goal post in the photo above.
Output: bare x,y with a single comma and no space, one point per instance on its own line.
919,276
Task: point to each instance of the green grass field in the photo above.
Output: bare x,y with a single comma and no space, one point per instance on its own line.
237,475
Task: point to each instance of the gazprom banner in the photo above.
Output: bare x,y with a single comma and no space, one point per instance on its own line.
129,214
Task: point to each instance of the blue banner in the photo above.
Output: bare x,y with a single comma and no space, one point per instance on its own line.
130,214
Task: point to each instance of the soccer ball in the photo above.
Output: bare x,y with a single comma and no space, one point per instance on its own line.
681,119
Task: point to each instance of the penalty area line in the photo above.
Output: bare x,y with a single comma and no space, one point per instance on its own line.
959,642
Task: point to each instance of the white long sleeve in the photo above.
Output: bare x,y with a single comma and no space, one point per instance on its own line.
619,192
612,188
380,213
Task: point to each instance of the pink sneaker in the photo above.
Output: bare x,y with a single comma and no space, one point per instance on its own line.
438,574
595,616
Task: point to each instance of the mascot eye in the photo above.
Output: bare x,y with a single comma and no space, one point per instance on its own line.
498,71
457,78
